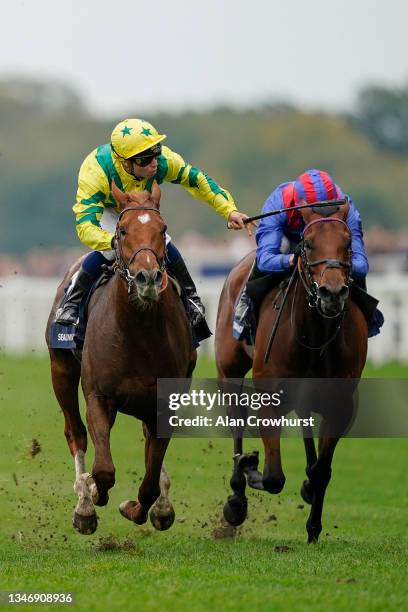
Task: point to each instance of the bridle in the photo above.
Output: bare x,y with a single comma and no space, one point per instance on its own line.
312,290
122,266
305,271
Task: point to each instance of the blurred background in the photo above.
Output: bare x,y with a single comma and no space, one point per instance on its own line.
253,93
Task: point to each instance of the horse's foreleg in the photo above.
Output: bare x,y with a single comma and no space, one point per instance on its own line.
273,477
162,514
100,416
85,520
311,458
65,374
319,477
236,507
137,511
319,474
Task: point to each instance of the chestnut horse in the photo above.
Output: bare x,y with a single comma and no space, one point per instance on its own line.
321,334
137,332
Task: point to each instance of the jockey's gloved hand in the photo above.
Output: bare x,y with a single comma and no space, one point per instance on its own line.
236,222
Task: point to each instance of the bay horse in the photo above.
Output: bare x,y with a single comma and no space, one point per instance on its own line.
321,333
137,332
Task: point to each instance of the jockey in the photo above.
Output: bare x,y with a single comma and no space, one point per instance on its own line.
277,230
134,159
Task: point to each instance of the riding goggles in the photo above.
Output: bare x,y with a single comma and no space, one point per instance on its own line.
147,156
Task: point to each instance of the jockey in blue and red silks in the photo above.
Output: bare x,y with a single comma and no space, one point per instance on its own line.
311,187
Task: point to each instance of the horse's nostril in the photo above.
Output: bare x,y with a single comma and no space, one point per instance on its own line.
147,277
343,293
334,295
142,277
324,293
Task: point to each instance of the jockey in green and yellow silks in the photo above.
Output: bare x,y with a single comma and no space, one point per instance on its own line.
134,160
129,139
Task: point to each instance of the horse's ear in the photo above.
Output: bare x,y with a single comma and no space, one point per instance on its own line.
121,198
344,210
156,194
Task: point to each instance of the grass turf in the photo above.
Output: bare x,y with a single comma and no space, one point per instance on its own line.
360,560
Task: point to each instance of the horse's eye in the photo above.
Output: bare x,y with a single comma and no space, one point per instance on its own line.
164,230
308,245
348,245
122,232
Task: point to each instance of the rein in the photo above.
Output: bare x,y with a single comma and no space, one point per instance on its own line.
121,265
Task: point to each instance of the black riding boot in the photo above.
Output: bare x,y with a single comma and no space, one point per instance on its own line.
243,305
68,312
179,270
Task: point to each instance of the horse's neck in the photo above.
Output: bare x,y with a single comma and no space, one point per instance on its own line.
307,322
131,319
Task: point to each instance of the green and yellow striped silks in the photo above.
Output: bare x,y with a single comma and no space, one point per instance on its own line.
100,167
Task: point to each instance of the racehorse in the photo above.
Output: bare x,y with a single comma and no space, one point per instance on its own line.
321,333
137,332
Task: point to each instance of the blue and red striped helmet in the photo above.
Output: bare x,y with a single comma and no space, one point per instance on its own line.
316,186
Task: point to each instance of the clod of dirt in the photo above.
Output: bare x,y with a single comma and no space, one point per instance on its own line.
300,506
111,543
223,530
35,448
282,549
128,544
272,517
108,543
346,580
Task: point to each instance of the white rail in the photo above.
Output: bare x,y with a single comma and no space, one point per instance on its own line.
25,303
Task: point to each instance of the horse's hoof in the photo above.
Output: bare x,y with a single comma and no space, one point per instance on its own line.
306,491
101,499
273,484
132,511
235,510
85,524
162,518
312,539
255,480
313,532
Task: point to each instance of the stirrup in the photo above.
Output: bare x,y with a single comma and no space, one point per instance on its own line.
66,321
241,311
197,311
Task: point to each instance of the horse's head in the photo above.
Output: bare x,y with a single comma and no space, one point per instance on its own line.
325,260
141,244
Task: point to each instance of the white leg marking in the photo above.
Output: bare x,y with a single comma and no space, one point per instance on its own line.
163,503
84,487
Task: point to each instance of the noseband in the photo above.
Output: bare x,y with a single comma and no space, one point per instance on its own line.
121,265
311,286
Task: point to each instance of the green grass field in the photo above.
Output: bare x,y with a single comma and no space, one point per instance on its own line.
360,561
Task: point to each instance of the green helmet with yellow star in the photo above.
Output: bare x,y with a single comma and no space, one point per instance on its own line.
133,136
